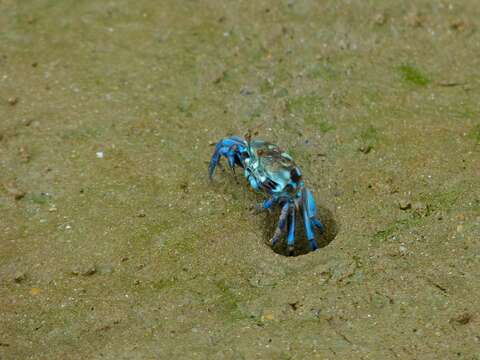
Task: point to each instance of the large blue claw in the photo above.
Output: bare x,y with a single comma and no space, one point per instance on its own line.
231,148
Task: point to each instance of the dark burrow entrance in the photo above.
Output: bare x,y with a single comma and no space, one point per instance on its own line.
302,246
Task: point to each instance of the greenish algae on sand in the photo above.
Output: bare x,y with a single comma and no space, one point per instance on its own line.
135,254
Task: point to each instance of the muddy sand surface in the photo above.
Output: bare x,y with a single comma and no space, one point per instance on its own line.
113,243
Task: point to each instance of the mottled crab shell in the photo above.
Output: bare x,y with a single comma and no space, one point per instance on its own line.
272,167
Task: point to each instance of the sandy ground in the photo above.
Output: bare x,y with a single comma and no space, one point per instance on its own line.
114,245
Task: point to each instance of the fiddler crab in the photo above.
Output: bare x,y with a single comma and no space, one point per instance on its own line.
272,171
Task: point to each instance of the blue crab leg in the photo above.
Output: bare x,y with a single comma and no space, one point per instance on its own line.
267,204
307,221
312,212
231,157
291,229
281,223
310,233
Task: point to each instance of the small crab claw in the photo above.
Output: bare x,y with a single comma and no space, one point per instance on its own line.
310,220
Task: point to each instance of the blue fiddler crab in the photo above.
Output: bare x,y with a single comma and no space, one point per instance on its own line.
273,172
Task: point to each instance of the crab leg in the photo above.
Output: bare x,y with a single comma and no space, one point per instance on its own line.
306,220
281,223
231,157
309,211
291,229
312,212
267,204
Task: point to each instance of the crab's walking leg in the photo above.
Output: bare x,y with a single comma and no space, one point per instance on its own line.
291,229
231,153
310,220
281,223
267,204
312,212
306,207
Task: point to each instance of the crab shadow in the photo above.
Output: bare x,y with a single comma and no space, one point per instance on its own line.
302,246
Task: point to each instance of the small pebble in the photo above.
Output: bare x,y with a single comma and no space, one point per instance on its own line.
24,154
415,19
246,92
404,204
27,122
13,100
458,25
35,291
90,271
380,19
365,148
294,305
267,317
99,154
462,319
184,186
12,189
420,208
19,277
439,215
85,270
